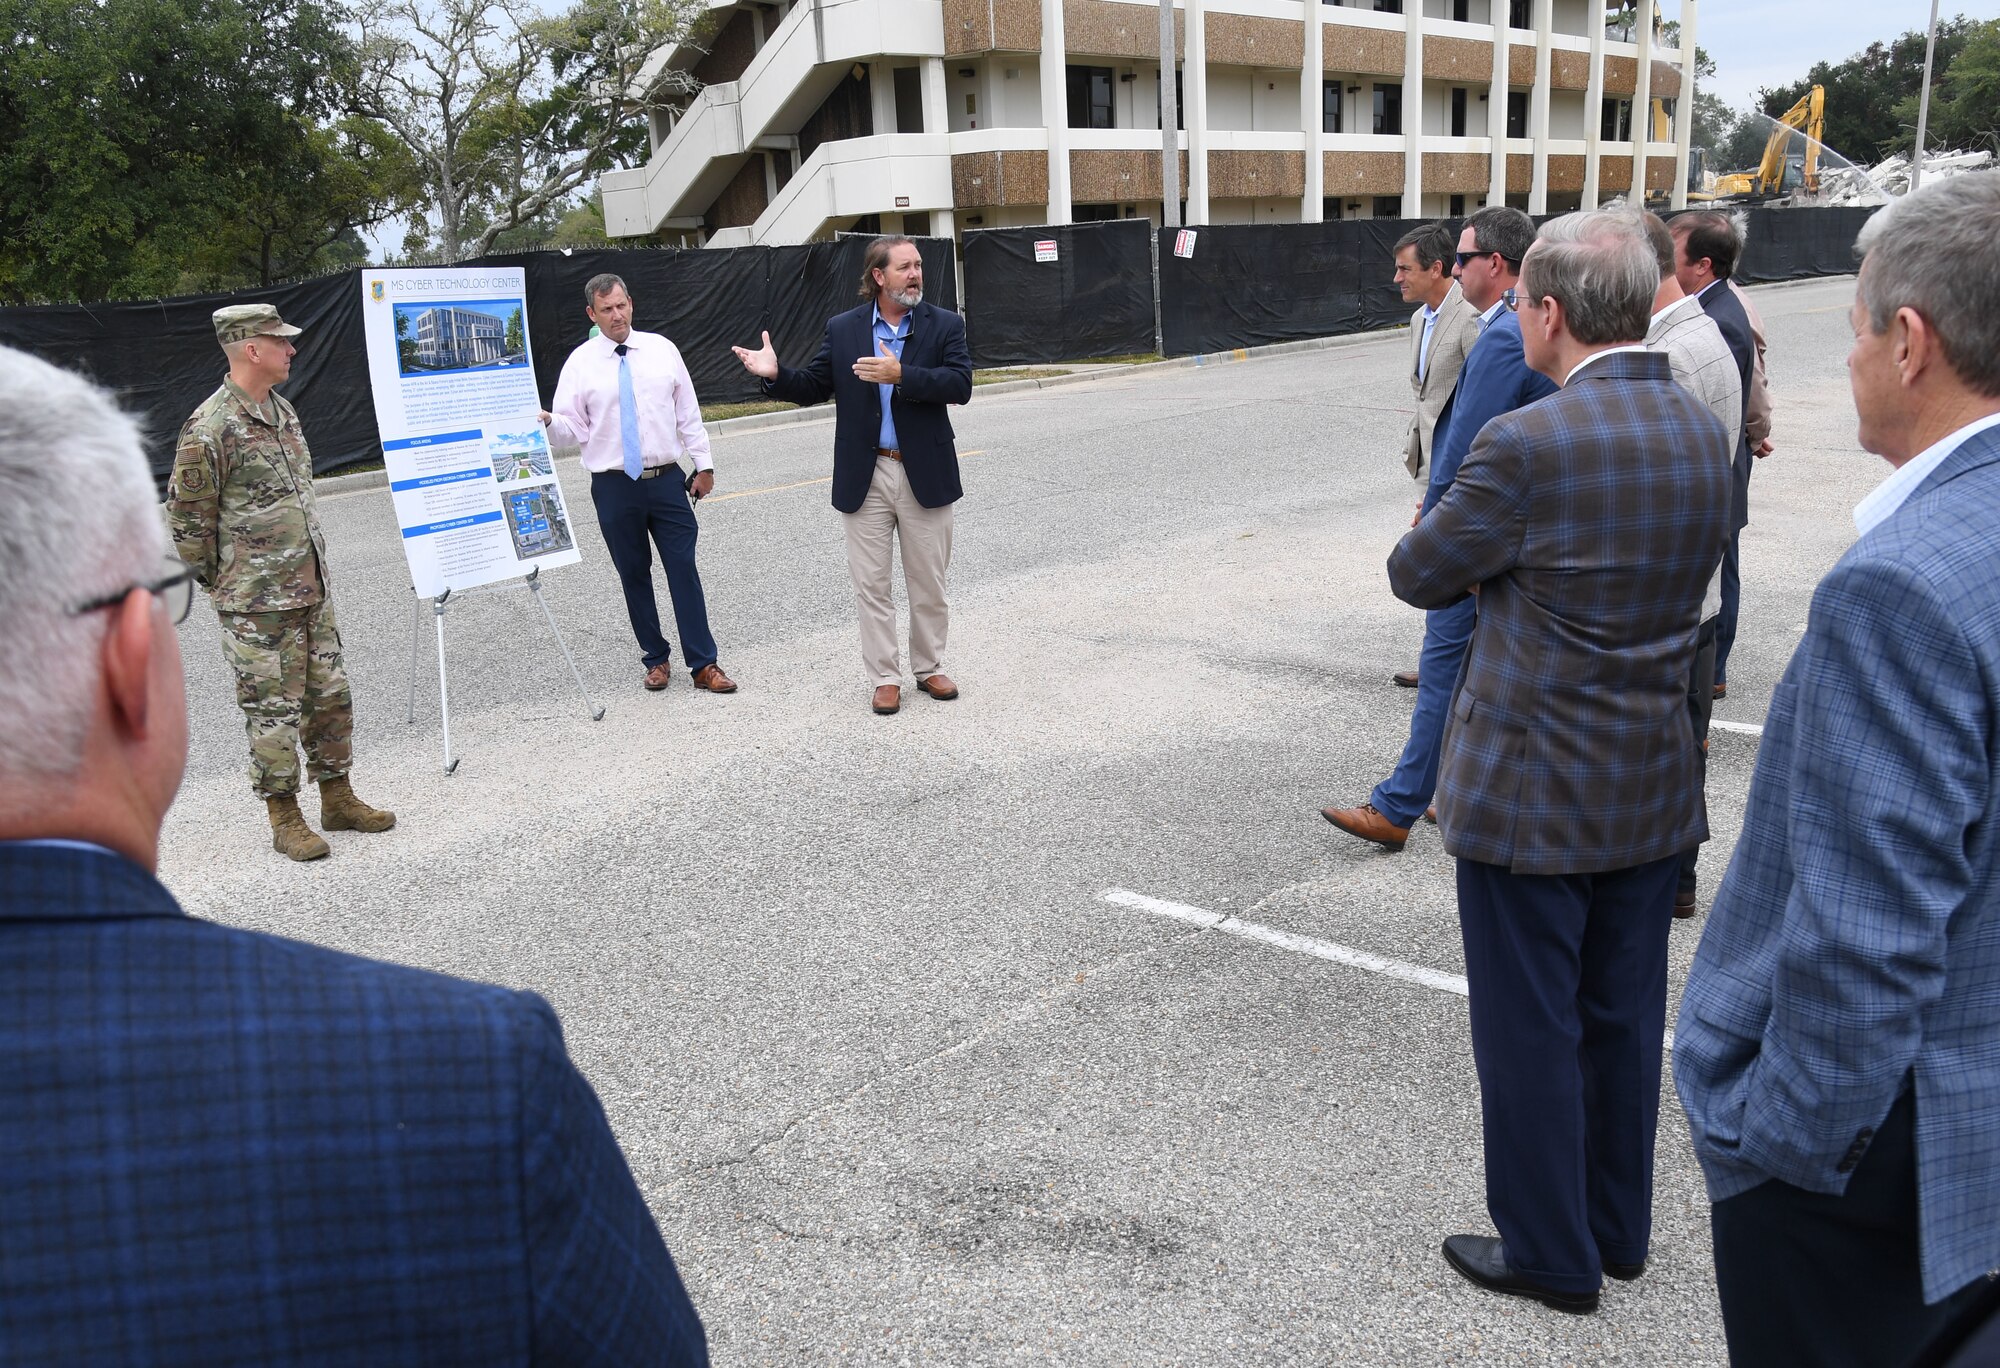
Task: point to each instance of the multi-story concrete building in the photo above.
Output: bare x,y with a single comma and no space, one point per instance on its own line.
459,337
930,116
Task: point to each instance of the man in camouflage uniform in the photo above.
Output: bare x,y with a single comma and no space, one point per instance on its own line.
241,508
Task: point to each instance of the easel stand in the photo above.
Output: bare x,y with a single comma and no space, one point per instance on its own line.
438,606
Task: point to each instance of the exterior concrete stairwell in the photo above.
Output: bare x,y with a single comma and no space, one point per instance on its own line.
805,58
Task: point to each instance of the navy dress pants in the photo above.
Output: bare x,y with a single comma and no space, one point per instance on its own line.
629,512
1732,600
1404,795
1568,979
1833,1281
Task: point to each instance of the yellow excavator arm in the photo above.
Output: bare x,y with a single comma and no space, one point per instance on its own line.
1808,116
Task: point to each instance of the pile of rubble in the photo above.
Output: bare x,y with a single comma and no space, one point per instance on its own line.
1878,184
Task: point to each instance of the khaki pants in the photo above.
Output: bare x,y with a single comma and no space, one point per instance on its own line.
888,513
292,688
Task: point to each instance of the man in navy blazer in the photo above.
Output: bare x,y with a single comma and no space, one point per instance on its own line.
222,1147
1589,525
1838,1048
890,366
1496,379
1707,243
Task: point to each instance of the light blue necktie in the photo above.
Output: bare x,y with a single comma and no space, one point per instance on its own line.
628,415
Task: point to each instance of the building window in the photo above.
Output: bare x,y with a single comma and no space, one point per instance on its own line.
1388,6
909,89
1521,14
1329,209
1389,109
1461,10
1457,206
1093,213
1458,111
1617,122
1089,97
1388,206
1329,106
1517,113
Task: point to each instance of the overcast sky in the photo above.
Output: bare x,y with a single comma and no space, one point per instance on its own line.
1758,43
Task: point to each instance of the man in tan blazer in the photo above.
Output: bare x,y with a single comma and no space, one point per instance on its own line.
1442,331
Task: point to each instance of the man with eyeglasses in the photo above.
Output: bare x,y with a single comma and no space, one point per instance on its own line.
241,508
223,1146
1494,380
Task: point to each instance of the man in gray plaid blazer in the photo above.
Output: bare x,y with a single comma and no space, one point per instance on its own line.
1838,1049
1588,524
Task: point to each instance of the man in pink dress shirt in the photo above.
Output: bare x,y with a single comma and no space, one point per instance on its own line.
624,397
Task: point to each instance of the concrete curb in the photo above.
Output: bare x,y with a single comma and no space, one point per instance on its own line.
378,479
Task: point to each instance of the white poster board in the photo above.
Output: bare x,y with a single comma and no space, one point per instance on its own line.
469,465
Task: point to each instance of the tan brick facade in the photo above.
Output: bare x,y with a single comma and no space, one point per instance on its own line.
1097,177
986,179
1244,40
1256,175
1361,173
1100,28
1456,173
1373,51
1457,59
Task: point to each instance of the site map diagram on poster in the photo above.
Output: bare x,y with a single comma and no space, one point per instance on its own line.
455,400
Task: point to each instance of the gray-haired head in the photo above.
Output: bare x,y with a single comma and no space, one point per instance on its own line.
599,286
1600,267
1937,252
79,519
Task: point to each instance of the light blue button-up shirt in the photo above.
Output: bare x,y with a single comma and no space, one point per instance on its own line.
1424,347
1887,497
894,337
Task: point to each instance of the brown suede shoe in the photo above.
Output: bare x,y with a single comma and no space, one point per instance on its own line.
939,687
290,836
1431,814
1405,679
657,677
341,810
888,698
1368,824
711,678
1721,691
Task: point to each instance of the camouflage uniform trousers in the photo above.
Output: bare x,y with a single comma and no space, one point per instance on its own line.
292,688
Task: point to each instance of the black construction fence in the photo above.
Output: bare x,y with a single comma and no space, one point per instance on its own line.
1032,296
161,358
1038,295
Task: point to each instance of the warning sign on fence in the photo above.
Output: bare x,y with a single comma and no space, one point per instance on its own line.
1184,243
1045,249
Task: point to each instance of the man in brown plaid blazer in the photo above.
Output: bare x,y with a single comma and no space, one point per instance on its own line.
1589,525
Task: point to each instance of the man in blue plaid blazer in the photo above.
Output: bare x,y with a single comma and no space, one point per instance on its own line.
1838,1049
220,1147
1588,524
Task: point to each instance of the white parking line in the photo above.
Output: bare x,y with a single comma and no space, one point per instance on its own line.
1285,940
1747,728
1304,945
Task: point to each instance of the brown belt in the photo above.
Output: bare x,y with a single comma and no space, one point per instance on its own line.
891,452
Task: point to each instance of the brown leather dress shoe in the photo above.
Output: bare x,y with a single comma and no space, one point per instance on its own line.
657,677
888,698
711,678
1368,824
1431,815
1721,691
1405,679
939,687
1684,907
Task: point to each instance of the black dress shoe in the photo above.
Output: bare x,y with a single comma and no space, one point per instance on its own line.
1624,1272
1482,1260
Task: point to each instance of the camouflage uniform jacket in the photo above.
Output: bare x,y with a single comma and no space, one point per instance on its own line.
241,506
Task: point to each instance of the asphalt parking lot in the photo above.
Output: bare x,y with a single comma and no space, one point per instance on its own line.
900,1081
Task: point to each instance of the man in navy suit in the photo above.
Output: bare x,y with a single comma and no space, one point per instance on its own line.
222,1147
1495,380
1589,525
1838,1048
1707,243
890,366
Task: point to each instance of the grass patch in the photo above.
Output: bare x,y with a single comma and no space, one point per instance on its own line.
715,413
994,377
1130,359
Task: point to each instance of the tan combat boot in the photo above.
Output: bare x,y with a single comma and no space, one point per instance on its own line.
340,810
290,836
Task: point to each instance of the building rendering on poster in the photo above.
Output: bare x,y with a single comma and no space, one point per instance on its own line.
474,481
